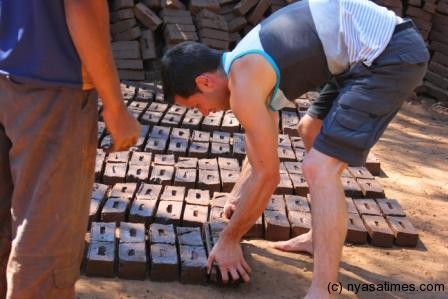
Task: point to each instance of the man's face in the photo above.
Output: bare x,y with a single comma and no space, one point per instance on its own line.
205,102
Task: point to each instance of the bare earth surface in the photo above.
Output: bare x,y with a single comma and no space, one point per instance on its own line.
414,157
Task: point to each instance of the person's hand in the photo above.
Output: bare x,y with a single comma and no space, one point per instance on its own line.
122,126
229,257
230,206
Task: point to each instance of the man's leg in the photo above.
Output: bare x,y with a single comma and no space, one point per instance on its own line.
53,137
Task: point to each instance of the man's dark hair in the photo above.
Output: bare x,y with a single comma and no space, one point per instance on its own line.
182,64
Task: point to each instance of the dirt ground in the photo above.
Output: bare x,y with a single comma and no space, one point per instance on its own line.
414,158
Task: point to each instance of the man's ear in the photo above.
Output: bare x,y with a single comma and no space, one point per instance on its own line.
204,82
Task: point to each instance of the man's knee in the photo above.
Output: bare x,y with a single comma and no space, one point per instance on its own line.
309,127
318,167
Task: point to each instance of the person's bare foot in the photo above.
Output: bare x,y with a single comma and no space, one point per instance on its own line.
302,243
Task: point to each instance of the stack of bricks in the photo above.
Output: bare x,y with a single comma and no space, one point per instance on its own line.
213,29
178,26
421,13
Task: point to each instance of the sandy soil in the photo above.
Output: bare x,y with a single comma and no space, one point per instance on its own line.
414,157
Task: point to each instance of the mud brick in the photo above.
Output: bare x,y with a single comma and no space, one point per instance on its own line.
276,203
119,157
276,225
120,4
186,162
191,122
137,173
293,167
299,183
185,177
215,43
121,14
189,236
221,137
130,64
286,154
162,174
142,211
244,6
220,149
239,151
169,212
257,13
132,232
228,179
285,185
131,75
124,190
284,141
379,231
138,105
95,208
442,6
228,164
356,231
199,149
148,18
198,197
208,164
360,173
436,92
209,179
438,36
440,58
219,24
106,142
114,173
436,79
193,265
230,123
300,154
217,213
164,262
239,138
422,24
371,188
140,158
219,199
99,191
214,34
390,207
372,164
195,215
169,12
200,136
351,187
174,35
297,203
208,14
114,209
211,123
403,230
300,222
158,107
257,230
351,207
282,168
168,160
214,271
128,35
180,133
174,4
367,206
197,5
418,13
162,233
178,147
103,232
147,45
173,193
123,25
176,109
101,259
149,192
235,37
187,20
132,261
171,120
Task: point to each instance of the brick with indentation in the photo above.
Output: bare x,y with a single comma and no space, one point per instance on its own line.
164,262
403,230
300,222
390,207
356,230
195,215
277,226
169,212
379,231
142,211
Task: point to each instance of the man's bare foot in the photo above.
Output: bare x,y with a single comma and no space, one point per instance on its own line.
302,243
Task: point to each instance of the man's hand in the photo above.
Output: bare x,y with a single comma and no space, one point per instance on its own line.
230,206
122,126
229,257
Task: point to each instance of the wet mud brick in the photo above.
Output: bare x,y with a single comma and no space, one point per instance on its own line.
164,262
277,226
103,231
180,133
208,164
211,233
351,188
299,183
230,123
297,142
137,173
198,197
390,207
257,230
293,167
168,160
276,203
132,261
162,174
244,6
285,185
158,107
124,190
171,120
193,264
195,215
176,109
367,206
373,164
169,212
192,122
403,230
228,179
147,17
149,192
101,259
356,230
379,231
151,118
209,180
284,140
147,45
297,203
371,188
239,138
228,164
189,236
219,199
162,132
351,208
360,173
300,154
173,193
300,222
186,162
140,158
114,173
239,151
115,209
126,50
178,147
257,13
185,177
97,199
156,145
211,123
132,232
217,214
162,233
142,211
199,149
220,137
99,164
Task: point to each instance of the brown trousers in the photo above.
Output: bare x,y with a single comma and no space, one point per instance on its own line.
47,153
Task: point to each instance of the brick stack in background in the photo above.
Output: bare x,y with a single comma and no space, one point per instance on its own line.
421,13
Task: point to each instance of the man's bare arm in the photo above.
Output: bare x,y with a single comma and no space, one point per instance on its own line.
88,23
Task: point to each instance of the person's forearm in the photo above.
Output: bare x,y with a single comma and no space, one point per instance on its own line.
88,23
244,175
